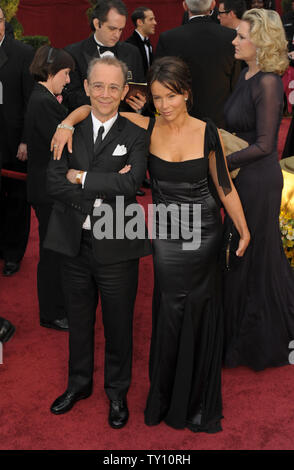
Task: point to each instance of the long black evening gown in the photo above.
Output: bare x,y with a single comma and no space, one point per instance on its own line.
187,327
259,293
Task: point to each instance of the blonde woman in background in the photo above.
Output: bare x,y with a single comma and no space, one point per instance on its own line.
259,291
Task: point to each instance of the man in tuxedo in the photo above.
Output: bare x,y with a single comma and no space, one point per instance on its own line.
108,20
144,21
207,48
230,12
94,263
16,86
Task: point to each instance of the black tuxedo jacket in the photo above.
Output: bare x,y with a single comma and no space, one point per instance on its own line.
136,41
43,115
73,203
17,84
83,52
207,48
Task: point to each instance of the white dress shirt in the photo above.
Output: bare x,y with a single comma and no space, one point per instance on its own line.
96,126
106,53
145,45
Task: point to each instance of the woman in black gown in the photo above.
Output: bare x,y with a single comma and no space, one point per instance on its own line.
187,331
259,292
50,68
186,344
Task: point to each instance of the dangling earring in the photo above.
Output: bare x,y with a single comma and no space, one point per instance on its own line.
256,59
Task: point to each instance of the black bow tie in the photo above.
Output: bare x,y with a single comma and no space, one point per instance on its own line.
103,49
147,42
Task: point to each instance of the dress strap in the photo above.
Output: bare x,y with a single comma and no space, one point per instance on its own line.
150,125
212,143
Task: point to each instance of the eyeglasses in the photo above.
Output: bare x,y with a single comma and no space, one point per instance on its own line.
50,59
222,12
99,88
2,20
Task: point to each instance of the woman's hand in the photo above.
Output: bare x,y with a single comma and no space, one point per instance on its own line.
125,169
58,142
22,152
136,102
243,244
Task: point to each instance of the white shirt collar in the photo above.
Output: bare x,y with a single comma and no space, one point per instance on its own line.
98,42
2,40
201,16
197,16
107,125
142,37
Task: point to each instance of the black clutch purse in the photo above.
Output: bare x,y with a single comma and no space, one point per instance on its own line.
231,238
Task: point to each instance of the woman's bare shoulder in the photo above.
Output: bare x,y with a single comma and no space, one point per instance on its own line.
142,121
197,123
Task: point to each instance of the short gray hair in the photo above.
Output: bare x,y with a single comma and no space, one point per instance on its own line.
108,61
198,6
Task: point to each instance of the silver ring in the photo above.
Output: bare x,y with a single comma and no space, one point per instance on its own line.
55,145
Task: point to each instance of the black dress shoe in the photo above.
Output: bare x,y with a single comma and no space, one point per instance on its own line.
6,330
65,402
140,192
11,267
58,324
118,413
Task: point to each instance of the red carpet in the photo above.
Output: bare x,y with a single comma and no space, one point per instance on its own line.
258,407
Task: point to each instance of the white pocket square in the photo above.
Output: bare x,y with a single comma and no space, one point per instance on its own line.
120,150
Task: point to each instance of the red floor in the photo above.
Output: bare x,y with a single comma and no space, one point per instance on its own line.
258,407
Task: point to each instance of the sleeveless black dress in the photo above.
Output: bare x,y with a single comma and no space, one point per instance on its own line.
259,292
187,339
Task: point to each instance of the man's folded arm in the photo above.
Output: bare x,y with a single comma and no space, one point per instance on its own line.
60,189
108,185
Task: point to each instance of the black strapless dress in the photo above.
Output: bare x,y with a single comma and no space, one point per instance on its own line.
187,332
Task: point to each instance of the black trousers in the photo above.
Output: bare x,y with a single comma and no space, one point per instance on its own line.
84,279
49,281
15,213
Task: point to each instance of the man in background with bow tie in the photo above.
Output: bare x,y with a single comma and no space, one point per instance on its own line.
108,22
144,22
96,265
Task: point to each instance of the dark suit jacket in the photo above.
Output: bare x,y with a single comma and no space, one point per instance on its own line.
15,59
44,113
73,203
136,41
207,48
83,52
